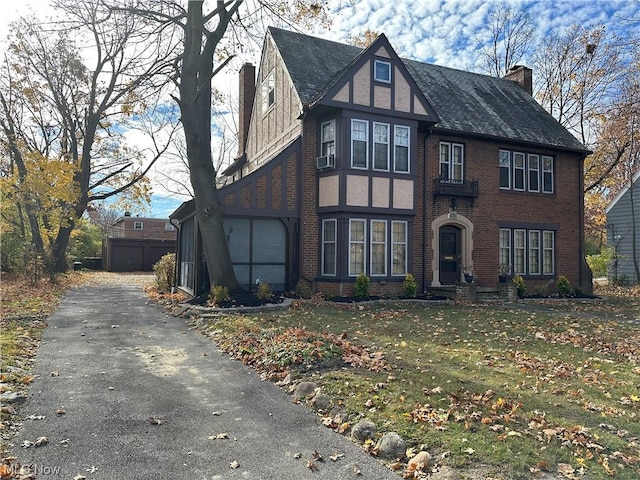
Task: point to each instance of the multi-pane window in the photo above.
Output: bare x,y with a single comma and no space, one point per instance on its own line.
505,169
269,91
357,246
518,171
547,174
534,252
359,143
526,172
505,251
548,256
378,247
398,248
169,227
137,225
534,173
380,146
519,250
451,162
401,155
329,237
382,71
328,138
530,252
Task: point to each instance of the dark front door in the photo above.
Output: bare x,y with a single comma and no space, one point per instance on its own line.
449,255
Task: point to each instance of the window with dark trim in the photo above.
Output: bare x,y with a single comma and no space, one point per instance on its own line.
382,71
401,153
398,247
380,146
527,251
378,248
269,91
328,138
526,172
451,162
357,246
138,225
329,244
359,143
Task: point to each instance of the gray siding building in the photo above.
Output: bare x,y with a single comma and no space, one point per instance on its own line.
623,233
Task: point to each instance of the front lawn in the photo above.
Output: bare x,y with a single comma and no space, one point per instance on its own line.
514,391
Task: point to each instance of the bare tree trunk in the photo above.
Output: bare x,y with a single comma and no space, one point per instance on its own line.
195,106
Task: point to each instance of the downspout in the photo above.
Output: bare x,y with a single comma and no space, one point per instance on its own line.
582,272
424,215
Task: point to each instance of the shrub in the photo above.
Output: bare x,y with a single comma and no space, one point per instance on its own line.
303,290
563,286
599,264
410,286
520,286
164,270
264,291
362,285
219,294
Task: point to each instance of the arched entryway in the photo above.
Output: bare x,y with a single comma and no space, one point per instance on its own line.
452,247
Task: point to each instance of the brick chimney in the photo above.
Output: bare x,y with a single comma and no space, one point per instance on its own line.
523,77
247,92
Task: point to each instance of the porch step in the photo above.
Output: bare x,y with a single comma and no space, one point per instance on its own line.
446,292
488,294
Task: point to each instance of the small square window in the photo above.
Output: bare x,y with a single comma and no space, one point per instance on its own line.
137,225
382,71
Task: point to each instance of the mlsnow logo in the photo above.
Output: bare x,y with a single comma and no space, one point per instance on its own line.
34,469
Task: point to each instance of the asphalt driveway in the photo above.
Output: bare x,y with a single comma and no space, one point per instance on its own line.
128,392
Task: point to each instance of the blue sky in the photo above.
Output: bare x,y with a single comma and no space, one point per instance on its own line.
444,32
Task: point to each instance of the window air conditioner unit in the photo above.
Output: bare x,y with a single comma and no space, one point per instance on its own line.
326,161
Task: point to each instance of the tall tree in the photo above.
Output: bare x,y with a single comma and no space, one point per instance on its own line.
69,90
509,37
209,41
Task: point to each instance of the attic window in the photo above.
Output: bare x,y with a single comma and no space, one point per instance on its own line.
382,71
137,226
268,91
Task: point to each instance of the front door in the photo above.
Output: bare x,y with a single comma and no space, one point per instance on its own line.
449,255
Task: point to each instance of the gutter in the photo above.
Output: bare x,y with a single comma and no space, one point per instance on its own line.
424,214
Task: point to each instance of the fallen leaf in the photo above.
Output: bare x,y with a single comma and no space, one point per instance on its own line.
79,477
311,465
336,456
41,441
469,451
220,436
297,455
155,421
61,411
234,464
317,457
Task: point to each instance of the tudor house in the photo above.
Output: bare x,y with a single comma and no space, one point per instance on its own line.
358,161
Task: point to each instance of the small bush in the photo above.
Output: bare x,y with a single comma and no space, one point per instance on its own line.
520,286
303,290
164,270
599,264
410,286
264,291
219,294
563,286
362,285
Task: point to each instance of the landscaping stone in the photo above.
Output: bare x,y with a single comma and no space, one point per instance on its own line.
392,446
445,473
338,415
363,430
304,389
420,461
321,402
12,397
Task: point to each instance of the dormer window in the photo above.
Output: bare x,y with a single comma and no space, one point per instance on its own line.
382,71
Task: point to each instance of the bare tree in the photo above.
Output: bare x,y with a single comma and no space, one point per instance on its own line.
510,34
57,106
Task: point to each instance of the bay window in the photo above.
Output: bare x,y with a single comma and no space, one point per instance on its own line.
357,250
378,247
329,237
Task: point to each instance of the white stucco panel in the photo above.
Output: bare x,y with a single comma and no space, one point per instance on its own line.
382,52
382,97
380,189
328,191
402,92
342,95
362,86
357,191
402,194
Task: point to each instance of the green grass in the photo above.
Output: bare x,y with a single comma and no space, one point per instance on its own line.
511,390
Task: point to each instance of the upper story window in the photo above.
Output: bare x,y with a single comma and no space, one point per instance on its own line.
382,71
401,152
269,91
328,138
137,225
380,146
451,162
169,227
526,172
359,143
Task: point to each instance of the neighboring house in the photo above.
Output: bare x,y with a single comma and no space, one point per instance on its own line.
135,244
623,232
357,161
